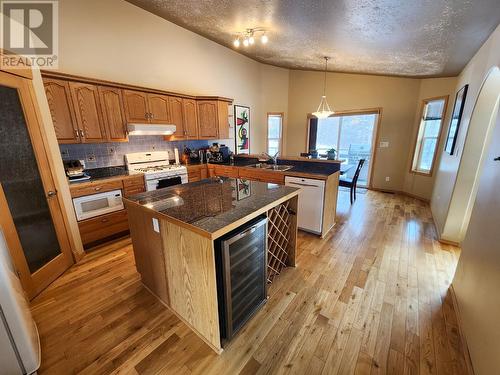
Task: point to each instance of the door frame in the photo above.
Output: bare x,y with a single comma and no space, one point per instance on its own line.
34,283
375,137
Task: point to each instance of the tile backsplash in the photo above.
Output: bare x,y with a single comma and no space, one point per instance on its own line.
98,155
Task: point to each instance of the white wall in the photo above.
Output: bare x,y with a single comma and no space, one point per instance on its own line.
117,41
454,190
416,184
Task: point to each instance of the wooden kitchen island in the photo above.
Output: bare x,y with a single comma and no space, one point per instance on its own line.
174,232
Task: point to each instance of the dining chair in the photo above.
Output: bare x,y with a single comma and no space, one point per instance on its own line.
352,183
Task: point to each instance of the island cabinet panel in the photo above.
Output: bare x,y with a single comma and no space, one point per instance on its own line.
190,118
148,253
159,109
88,112
136,106
192,284
113,114
61,109
330,204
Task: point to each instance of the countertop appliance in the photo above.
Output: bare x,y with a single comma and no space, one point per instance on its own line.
241,267
310,217
75,170
158,172
219,156
19,340
93,205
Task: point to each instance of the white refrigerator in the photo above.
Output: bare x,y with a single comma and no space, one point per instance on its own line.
19,341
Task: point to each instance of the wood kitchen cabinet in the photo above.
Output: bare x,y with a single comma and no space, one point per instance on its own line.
113,114
190,118
61,109
197,172
87,112
213,122
177,116
142,107
159,109
136,106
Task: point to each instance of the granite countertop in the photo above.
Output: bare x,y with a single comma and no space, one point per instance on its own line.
211,205
103,173
321,169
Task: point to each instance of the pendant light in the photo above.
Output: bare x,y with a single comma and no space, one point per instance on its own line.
324,109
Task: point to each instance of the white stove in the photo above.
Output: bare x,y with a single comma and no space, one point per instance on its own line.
158,172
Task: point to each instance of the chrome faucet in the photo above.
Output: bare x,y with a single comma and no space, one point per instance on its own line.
273,158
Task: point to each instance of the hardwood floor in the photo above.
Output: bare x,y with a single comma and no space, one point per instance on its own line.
371,298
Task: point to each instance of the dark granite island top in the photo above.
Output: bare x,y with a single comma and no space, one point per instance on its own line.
214,206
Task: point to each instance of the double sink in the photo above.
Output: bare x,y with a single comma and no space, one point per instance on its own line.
273,167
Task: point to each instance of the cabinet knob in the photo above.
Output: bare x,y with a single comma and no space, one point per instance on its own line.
104,220
97,188
77,134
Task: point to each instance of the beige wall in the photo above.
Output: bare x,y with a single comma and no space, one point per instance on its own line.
416,184
454,189
398,98
117,41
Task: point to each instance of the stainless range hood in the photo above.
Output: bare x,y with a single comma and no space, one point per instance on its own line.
150,129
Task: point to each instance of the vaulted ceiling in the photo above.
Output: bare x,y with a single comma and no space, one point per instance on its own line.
414,38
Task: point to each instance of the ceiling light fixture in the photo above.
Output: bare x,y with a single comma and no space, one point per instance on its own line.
247,37
324,110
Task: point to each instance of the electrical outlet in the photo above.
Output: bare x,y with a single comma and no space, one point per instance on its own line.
90,157
384,144
65,153
111,151
387,179
156,225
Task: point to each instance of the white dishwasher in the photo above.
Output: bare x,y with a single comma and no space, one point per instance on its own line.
310,202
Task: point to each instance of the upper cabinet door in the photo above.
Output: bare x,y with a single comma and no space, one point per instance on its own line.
207,119
223,119
88,112
177,116
136,106
190,118
61,109
158,108
113,114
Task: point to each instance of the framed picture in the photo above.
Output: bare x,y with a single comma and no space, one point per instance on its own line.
242,129
456,118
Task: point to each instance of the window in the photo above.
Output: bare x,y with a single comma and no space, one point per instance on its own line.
274,132
426,144
351,134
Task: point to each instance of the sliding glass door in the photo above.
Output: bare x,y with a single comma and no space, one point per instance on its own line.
351,135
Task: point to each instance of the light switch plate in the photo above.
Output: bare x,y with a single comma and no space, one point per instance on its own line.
384,144
156,225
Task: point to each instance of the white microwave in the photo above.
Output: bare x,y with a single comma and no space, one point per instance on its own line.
94,205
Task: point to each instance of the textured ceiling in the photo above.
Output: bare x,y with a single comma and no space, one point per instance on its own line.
415,38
